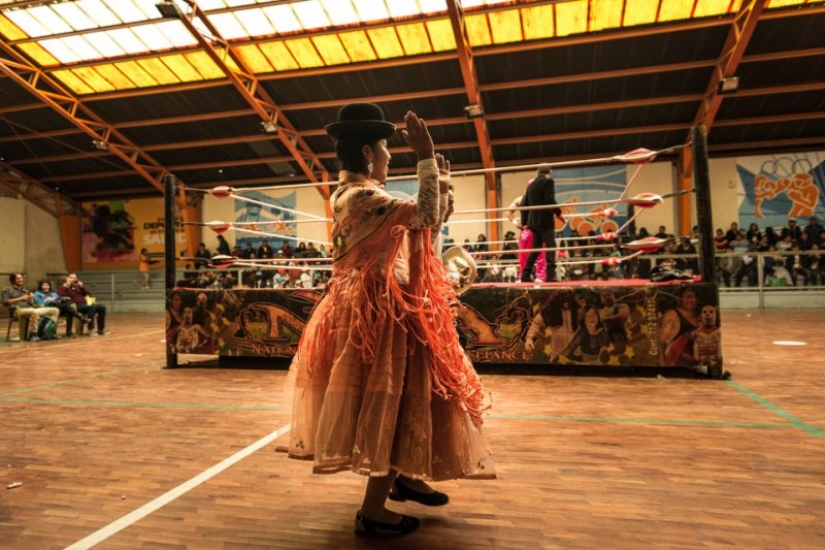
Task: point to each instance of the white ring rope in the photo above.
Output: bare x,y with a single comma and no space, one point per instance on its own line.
270,205
636,156
279,236
233,260
279,223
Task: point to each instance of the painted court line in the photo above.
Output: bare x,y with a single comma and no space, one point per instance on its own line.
164,499
48,346
665,421
770,406
57,383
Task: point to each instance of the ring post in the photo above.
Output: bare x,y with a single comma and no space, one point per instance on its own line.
169,242
704,215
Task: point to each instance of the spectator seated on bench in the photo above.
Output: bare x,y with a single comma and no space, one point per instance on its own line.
21,304
45,296
84,302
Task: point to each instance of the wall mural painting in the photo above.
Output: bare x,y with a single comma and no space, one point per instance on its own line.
265,214
115,231
774,188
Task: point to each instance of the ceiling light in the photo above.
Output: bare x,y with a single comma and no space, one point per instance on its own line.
728,85
269,127
100,145
474,111
169,10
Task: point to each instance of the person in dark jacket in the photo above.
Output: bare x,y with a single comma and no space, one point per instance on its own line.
541,192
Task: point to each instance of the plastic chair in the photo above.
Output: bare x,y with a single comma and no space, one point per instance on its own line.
21,329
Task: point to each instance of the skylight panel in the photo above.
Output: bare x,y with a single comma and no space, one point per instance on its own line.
74,16
228,25
432,6
358,46
283,18
311,14
10,30
279,56
674,10
441,35
126,10
537,22
50,20
385,41
127,40
304,52
80,46
103,43
176,33
39,54
154,38
478,31
571,17
403,8
234,3
115,77
27,23
71,80
207,68
136,74
93,78
149,8
253,58
159,70
99,12
476,3
207,5
605,14
414,38
59,50
255,22
330,49
340,13
371,10
505,26
182,68
639,12
705,8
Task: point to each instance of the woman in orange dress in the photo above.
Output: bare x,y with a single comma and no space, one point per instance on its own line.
381,384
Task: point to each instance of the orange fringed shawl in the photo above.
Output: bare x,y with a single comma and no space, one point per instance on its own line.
369,271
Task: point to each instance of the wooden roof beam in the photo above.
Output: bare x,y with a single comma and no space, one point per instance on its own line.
246,83
47,199
53,94
739,36
468,73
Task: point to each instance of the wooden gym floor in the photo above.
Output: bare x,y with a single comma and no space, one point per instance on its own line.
112,450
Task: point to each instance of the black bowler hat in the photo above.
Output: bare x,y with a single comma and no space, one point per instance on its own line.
361,119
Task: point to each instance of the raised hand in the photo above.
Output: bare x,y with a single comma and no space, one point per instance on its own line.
417,136
443,173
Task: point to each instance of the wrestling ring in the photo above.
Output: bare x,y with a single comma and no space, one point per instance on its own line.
670,321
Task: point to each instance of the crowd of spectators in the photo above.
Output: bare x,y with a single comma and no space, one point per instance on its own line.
289,267
790,256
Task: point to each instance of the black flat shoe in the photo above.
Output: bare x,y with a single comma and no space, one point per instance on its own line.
366,527
401,492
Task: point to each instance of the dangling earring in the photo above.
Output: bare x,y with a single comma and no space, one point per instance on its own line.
369,169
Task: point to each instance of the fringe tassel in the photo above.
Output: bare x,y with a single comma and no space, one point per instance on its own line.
422,308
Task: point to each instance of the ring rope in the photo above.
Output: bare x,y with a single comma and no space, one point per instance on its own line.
635,156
